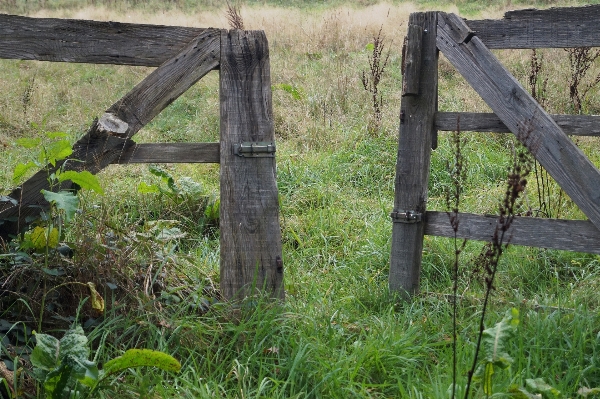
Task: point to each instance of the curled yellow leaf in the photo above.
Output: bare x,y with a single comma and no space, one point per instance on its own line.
41,238
97,300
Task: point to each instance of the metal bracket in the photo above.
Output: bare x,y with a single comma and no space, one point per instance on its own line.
406,216
258,149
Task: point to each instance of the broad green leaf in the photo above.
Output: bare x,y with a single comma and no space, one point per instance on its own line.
97,300
57,135
63,200
74,344
156,226
45,355
55,152
57,380
538,385
189,186
170,234
28,142
53,272
166,177
6,198
83,179
139,358
59,363
370,47
86,372
517,392
112,286
148,188
42,238
585,392
494,341
21,169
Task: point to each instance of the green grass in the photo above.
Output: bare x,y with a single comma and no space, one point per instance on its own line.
340,333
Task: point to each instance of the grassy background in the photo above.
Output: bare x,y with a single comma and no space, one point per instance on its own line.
340,333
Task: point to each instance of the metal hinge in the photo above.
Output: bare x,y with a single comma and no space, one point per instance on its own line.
259,149
406,216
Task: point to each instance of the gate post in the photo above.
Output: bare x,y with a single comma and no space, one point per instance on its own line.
417,134
251,258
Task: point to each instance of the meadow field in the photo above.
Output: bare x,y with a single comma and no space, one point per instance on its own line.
339,333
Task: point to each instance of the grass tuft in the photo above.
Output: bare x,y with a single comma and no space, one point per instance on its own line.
154,255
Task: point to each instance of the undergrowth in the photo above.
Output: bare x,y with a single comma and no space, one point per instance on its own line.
150,243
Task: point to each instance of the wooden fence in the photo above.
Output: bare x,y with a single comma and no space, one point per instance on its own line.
466,45
249,222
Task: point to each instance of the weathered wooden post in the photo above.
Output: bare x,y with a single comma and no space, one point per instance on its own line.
249,214
251,258
417,132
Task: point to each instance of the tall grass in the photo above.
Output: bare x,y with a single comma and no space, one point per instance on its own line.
340,333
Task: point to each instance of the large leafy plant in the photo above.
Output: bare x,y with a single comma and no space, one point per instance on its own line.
63,368
494,354
63,204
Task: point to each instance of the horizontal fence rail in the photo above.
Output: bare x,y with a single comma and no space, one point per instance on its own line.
569,235
170,153
71,40
576,125
553,28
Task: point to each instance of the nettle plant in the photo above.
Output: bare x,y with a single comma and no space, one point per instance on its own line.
47,231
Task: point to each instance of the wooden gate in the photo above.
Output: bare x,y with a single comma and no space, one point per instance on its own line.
249,222
466,45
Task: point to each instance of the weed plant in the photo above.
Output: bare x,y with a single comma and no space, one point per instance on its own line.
153,253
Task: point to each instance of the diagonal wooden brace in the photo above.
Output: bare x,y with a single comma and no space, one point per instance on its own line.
111,135
565,162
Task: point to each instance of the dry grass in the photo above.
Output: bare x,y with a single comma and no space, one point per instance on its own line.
336,188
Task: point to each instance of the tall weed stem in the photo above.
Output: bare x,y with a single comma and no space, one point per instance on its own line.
581,60
458,175
489,258
372,78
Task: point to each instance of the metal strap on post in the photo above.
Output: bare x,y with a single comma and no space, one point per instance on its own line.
406,216
259,149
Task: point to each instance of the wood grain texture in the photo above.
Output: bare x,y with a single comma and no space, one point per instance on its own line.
412,168
412,61
554,27
71,40
166,83
171,153
569,235
576,125
110,136
251,256
534,128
